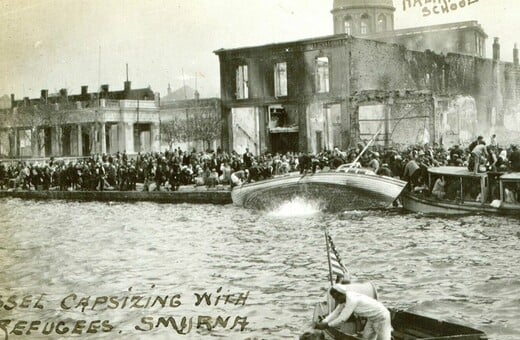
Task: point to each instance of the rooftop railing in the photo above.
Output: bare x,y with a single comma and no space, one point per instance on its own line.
95,103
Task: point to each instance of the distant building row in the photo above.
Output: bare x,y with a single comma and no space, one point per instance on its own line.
104,122
421,84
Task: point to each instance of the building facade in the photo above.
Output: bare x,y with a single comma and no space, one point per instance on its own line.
81,125
336,90
374,19
131,121
362,18
466,37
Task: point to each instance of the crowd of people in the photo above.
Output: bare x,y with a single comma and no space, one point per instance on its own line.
150,171
171,169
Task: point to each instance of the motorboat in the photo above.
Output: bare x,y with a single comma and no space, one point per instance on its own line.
337,190
466,192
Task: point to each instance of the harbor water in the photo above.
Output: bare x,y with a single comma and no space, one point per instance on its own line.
146,271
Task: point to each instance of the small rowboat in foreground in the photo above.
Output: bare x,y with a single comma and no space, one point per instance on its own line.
406,325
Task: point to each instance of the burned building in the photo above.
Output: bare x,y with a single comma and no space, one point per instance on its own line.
332,91
374,20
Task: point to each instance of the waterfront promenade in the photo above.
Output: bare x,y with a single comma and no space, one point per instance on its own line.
186,194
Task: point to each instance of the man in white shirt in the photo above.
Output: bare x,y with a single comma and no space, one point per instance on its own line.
378,326
479,154
374,162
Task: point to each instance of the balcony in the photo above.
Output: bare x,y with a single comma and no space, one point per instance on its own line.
129,104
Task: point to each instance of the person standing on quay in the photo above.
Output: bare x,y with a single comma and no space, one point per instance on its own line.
100,176
248,159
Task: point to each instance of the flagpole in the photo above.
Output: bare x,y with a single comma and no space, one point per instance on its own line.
328,257
329,300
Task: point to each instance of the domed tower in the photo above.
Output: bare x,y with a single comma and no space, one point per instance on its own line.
363,17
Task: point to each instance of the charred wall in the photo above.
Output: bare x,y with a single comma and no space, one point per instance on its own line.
492,83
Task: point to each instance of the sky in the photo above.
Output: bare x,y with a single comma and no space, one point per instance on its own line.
53,44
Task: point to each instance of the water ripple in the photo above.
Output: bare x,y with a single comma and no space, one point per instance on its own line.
458,269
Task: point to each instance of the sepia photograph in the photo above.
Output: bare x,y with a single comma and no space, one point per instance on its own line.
261,169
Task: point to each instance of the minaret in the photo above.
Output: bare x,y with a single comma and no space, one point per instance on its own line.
363,17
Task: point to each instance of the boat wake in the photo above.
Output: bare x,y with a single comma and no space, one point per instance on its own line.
297,207
339,191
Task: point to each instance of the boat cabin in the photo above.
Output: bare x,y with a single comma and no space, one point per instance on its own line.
464,186
460,184
455,190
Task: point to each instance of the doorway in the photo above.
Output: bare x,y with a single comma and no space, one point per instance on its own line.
284,142
85,143
65,140
319,141
47,141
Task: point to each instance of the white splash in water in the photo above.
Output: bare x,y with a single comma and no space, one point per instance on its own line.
297,207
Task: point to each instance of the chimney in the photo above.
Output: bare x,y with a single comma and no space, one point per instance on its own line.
515,55
496,50
104,88
128,86
12,100
196,94
84,90
26,101
44,95
63,92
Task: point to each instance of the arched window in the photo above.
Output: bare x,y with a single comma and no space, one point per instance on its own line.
348,24
365,24
381,23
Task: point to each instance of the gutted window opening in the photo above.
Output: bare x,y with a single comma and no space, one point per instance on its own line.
364,24
242,86
283,134
280,79
322,74
381,23
278,117
348,25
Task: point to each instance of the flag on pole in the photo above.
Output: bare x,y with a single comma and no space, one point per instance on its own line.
336,265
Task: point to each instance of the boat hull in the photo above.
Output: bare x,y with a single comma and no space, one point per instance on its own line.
406,326
336,191
416,203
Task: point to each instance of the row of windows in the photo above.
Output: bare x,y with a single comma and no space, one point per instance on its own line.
280,78
364,26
